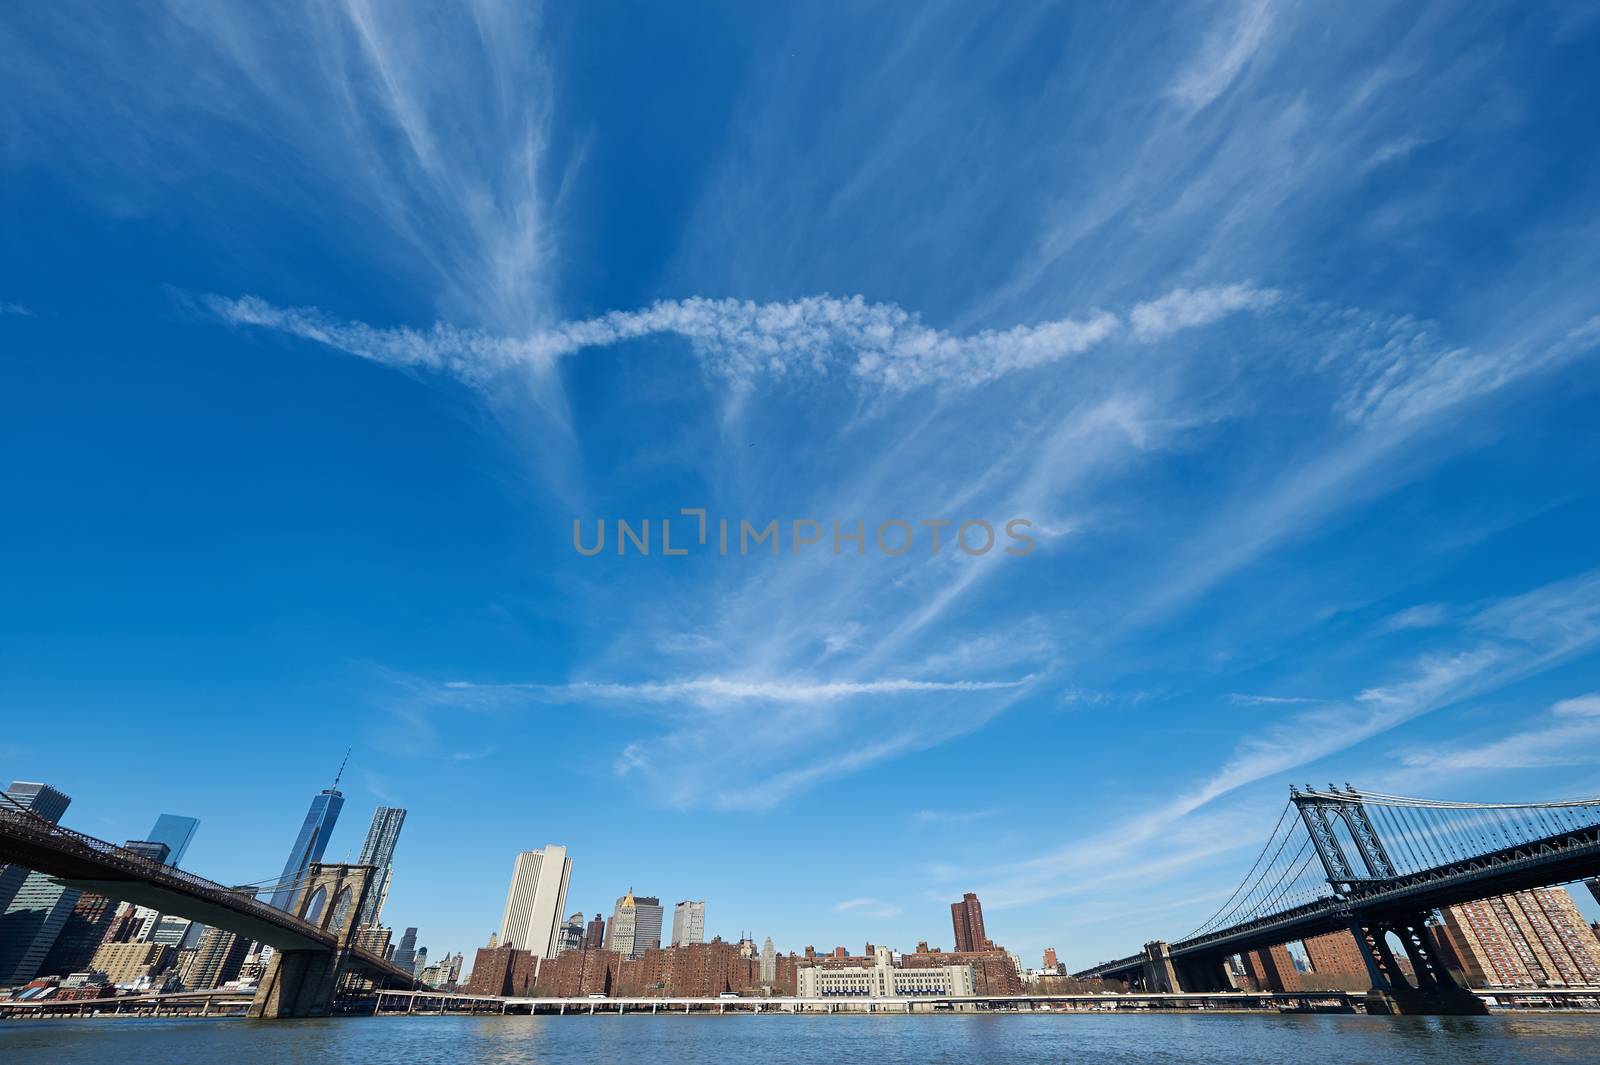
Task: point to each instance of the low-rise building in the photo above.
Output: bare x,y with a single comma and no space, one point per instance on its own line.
884,979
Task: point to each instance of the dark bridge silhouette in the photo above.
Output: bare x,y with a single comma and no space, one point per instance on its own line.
1375,865
314,957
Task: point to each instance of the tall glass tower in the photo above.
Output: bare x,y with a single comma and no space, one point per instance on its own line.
33,907
176,832
310,843
378,851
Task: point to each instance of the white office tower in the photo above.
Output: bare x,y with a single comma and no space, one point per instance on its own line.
688,923
536,901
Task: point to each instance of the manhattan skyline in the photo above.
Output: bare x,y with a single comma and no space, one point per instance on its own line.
1283,341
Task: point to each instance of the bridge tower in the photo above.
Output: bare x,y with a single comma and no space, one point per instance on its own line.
302,983
1434,991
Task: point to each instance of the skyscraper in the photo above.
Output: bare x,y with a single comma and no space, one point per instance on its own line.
648,916
967,917
30,925
595,935
85,928
33,907
217,960
536,900
310,843
41,800
177,832
620,933
405,955
378,851
688,923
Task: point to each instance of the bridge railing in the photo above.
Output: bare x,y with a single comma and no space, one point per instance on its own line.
31,826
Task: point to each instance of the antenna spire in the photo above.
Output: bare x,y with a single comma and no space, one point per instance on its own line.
342,764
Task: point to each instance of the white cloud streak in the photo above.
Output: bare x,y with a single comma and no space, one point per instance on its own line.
878,344
1223,54
1568,736
718,690
867,907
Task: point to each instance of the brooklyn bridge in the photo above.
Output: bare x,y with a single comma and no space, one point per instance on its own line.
316,957
1378,866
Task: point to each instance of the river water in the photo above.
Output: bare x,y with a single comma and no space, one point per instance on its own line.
780,1040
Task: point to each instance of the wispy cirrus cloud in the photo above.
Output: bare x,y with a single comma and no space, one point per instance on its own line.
867,906
716,690
1227,47
952,817
878,344
418,144
15,309
1568,735
1184,308
1504,641
1421,616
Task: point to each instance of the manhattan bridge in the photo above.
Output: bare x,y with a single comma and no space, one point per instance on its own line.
1377,866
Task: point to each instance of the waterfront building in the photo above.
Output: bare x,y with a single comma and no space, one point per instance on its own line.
419,962
378,851
884,979
967,918
688,923
594,936
1050,959
504,970
536,900
1336,954
1534,938
132,964
309,845
995,972
218,959
1272,969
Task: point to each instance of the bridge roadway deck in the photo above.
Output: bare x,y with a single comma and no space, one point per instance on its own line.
1555,860
89,864
438,1001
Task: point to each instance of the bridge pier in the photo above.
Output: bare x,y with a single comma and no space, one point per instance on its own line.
1160,975
303,983
1435,991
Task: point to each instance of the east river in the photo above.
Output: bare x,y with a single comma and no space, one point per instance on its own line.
779,1040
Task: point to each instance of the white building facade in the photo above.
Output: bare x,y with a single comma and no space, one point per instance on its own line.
536,901
883,979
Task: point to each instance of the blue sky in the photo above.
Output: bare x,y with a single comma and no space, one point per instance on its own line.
320,326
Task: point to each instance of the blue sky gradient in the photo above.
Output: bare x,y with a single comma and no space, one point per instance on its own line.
320,326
